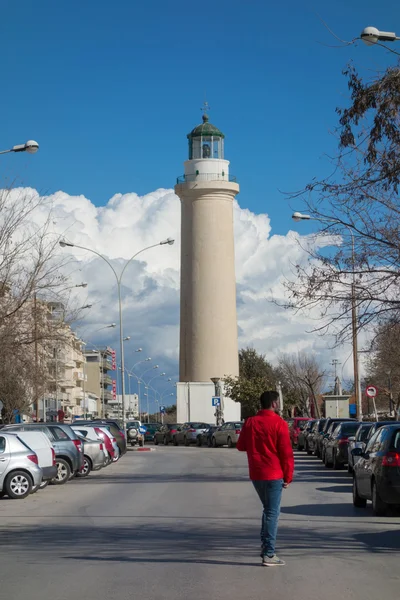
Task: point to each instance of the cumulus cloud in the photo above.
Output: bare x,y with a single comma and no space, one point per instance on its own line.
150,290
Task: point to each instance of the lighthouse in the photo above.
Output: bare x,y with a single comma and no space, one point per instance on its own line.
208,321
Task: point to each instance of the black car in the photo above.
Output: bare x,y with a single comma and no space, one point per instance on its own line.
165,434
206,437
312,436
376,474
374,428
303,434
336,449
323,434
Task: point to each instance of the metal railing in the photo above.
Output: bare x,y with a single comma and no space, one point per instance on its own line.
205,177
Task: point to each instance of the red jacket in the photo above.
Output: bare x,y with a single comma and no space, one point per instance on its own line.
266,440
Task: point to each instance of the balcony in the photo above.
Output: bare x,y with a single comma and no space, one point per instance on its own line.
80,376
108,397
106,380
106,365
205,177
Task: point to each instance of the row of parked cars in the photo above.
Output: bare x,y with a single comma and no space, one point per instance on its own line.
33,455
369,450
186,434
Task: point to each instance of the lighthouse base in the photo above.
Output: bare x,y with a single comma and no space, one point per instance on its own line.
194,403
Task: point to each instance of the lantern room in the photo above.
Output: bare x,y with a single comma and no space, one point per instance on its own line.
206,141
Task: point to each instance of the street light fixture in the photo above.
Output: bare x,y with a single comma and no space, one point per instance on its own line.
168,241
372,35
298,216
30,147
127,338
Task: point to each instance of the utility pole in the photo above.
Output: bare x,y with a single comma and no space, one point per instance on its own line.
36,357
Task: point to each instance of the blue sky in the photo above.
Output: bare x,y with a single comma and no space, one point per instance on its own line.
110,90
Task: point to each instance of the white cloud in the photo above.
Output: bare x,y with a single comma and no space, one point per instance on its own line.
150,288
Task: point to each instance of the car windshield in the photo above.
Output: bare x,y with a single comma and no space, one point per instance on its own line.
363,435
197,425
133,424
349,428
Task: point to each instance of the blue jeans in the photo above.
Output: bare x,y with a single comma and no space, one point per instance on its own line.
270,493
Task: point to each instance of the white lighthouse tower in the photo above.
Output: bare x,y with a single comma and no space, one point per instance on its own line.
208,322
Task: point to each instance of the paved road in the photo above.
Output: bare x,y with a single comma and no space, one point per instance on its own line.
183,523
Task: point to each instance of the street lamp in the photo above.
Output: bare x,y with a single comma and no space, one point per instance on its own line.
148,385
30,147
298,216
169,242
372,35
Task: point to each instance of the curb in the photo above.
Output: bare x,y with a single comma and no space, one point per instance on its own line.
140,449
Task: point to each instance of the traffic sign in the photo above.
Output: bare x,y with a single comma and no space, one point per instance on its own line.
162,410
371,391
142,429
216,401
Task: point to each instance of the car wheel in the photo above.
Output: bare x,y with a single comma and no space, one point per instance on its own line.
155,440
214,443
323,455
165,441
230,444
349,468
175,441
198,441
186,442
336,464
141,443
326,461
316,452
358,502
87,467
117,455
63,472
300,447
43,485
378,506
18,485
209,444
34,489
309,452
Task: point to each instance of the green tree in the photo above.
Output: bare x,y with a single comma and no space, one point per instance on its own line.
256,375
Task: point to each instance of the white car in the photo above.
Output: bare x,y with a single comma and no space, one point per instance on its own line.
43,448
19,467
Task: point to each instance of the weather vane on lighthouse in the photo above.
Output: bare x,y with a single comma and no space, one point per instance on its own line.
206,109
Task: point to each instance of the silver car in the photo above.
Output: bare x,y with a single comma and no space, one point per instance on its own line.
188,432
227,434
357,441
19,468
93,455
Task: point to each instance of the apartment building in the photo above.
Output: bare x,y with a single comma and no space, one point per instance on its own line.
99,383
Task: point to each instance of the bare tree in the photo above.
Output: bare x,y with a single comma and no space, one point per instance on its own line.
357,204
302,379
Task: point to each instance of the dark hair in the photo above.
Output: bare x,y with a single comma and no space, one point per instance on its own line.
268,398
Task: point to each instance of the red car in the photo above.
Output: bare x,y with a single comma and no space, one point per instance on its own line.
295,426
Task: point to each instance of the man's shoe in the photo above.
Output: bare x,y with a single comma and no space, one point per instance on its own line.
272,561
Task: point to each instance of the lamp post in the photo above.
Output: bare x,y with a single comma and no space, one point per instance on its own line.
31,147
219,410
118,278
148,385
297,216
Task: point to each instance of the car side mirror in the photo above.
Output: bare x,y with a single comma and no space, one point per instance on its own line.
352,438
357,452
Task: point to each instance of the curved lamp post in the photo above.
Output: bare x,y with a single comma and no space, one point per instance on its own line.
118,278
31,147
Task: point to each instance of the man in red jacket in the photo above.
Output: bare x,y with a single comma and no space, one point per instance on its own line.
266,440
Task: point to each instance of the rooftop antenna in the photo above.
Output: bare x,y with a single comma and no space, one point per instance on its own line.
206,109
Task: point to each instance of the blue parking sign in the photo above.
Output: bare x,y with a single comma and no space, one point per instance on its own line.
216,401
162,410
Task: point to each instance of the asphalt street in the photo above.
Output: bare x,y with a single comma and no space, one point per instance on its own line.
180,523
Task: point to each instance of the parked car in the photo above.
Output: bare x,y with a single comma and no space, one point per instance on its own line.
357,441
165,434
312,436
116,428
188,432
227,434
376,474
323,434
336,449
375,426
89,432
109,441
66,444
43,448
303,434
295,426
19,467
134,437
93,456
206,437
151,429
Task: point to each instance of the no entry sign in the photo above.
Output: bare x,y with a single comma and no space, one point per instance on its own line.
371,391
